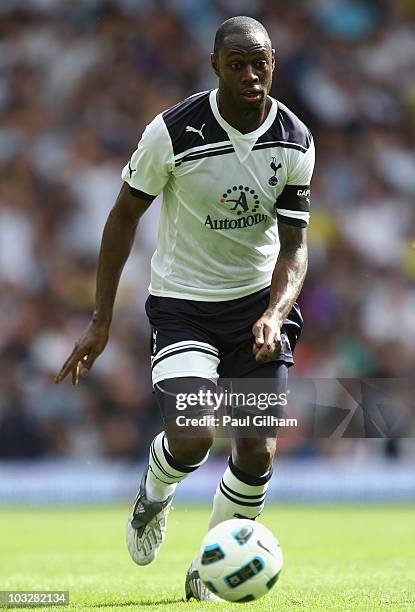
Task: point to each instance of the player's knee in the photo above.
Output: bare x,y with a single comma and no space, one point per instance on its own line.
254,455
190,451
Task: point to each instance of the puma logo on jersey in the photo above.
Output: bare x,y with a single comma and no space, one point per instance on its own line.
190,128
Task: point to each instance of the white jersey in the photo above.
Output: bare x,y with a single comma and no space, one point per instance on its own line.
223,193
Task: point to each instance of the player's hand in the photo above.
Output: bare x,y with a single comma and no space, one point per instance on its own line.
267,334
91,343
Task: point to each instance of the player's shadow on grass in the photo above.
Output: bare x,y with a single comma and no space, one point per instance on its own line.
146,602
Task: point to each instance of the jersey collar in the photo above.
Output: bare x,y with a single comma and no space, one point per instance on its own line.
242,143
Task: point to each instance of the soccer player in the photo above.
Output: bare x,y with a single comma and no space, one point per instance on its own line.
234,166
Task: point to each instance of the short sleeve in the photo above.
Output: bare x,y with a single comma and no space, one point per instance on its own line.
293,204
150,166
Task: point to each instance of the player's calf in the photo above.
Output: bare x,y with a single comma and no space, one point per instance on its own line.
254,455
190,451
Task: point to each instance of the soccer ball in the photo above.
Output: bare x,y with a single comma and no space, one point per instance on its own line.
240,560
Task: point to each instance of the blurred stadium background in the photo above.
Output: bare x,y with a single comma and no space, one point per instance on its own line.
79,80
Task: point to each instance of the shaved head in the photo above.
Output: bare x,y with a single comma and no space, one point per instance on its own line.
239,25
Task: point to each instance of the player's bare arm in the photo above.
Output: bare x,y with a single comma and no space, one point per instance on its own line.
287,281
116,244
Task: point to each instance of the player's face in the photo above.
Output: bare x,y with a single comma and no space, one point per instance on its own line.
244,65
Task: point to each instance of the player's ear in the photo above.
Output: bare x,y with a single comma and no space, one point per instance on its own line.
273,59
214,62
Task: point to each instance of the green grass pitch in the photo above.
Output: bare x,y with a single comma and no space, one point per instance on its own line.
336,558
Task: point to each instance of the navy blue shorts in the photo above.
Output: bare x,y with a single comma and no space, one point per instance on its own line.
209,340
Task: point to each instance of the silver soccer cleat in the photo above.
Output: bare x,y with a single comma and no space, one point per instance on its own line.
146,526
194,587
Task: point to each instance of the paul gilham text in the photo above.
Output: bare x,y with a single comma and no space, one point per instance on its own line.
257,420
